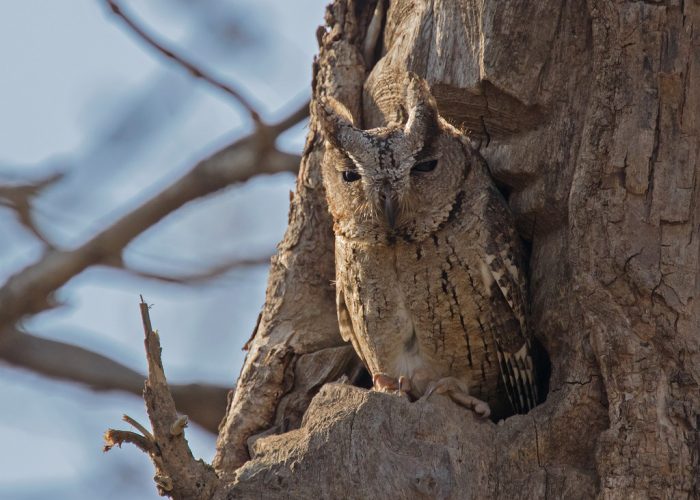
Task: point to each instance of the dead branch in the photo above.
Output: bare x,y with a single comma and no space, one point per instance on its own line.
29,291
193,69
204,403
113,437
178,474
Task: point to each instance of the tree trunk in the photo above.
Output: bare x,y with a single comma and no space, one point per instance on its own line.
589,119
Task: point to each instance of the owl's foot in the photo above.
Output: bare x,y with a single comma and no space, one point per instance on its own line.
459,393
384,383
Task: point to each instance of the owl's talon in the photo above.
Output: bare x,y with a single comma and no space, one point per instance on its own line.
482,409
405,386
384,383
457,391
437,387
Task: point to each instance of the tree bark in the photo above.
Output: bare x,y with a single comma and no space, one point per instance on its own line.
589,117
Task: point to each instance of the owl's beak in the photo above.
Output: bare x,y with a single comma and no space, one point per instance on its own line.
390,210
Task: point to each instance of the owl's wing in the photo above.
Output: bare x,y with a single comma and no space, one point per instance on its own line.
509,305
347,332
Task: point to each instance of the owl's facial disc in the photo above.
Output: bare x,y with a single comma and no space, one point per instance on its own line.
393,169
392,181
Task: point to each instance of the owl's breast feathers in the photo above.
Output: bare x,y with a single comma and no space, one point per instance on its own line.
429,269
451,305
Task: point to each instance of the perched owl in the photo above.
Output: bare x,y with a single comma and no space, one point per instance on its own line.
430,283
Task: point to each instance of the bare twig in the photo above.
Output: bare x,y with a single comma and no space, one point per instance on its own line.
113,437
298,115
139,427
19,198
205,404
30,290
202,277
193,69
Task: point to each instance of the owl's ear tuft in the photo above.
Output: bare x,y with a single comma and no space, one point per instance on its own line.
336,122
422,122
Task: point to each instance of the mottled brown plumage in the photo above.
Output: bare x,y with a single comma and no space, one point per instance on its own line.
429,268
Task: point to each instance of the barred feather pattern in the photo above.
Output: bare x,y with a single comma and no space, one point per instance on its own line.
439,289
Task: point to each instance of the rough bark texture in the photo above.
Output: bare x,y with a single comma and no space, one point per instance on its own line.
589,115
298,319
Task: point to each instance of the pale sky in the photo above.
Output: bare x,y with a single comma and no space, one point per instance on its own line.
70,72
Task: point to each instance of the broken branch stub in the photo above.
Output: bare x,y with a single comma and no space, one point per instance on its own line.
178,474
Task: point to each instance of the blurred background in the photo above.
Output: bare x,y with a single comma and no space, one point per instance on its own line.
81,95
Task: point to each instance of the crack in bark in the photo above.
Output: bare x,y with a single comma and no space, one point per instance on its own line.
539,458
652,161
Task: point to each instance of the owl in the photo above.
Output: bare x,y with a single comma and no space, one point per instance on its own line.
430,280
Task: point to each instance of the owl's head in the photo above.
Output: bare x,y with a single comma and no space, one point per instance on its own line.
399,181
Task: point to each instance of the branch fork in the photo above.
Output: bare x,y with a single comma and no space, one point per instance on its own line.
178,474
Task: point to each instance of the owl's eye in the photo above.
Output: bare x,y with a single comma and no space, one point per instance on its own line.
424,166
350,176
